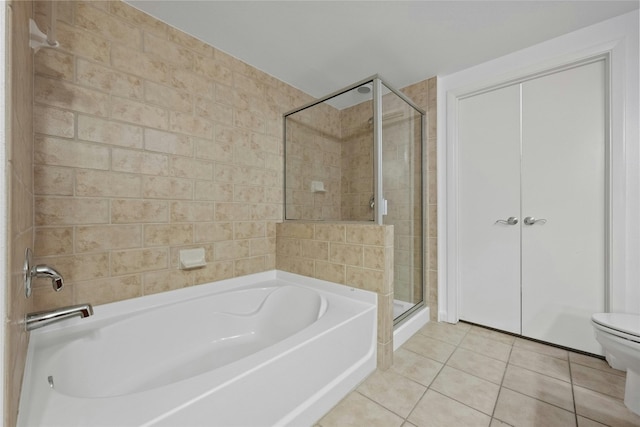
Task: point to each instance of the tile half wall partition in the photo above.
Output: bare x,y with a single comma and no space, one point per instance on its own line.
358,255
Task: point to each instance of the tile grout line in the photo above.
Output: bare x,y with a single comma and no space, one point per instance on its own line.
406,420
573,394
379,404
516,391
501,386
504,374
456,400
570,382
491,417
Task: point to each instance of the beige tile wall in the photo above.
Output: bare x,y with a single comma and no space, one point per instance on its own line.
19,149
313,145
149,141
358,255
357,162
146,141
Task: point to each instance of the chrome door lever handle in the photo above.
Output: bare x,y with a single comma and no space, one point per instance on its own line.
531,220
512,220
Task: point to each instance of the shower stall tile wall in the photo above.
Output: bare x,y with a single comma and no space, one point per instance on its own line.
381,174
317,160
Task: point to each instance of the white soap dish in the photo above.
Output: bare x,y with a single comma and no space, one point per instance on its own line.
192,258
317,187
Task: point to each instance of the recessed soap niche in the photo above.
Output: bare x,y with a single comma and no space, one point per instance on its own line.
192,258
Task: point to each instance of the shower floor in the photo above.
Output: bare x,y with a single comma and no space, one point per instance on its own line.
400,307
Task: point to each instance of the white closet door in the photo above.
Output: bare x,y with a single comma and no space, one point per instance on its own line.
489,190
563,181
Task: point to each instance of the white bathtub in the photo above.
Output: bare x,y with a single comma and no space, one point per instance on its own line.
272,348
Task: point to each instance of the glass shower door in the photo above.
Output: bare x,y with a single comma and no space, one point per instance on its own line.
401,175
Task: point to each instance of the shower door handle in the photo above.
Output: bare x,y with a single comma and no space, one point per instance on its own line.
512,220
531,220
383,206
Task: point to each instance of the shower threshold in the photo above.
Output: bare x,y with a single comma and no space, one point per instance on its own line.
400,307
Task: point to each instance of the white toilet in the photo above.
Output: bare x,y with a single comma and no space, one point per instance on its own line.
619,335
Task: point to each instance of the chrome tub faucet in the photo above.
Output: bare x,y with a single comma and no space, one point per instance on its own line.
44,318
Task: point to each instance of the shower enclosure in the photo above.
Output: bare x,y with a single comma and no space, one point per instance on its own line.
357,155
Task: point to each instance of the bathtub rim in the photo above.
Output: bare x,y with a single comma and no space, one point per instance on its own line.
103,313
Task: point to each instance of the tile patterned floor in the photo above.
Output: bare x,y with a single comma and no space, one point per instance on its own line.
463,375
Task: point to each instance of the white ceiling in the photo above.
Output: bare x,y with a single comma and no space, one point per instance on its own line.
323,46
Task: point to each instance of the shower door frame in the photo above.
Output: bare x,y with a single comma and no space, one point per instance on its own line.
378,190
380,208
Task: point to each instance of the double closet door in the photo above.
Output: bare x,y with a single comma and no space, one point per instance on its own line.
532,216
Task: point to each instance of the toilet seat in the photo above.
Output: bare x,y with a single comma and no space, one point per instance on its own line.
619,335
624,325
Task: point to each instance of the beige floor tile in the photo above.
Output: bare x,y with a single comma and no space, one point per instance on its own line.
356,411
537,347
586,422
463,326
465,388
604,409
434,349
447,332
415,366
486,346
595,363
538,386
597,380
491,334
540,363
477,364
436,410
392,391
520,410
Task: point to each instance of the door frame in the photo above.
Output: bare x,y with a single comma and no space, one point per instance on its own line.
5,49
622,168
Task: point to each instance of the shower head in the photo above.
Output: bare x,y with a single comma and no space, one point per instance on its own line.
364,89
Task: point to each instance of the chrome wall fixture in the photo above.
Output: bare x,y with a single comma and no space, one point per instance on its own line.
41,270
45,318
